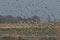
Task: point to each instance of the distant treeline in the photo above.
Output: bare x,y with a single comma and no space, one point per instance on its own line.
33,19
18,19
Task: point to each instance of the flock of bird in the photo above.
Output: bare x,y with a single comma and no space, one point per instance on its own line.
25,8
22,8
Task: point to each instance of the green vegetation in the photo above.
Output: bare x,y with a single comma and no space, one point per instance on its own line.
12,38
31,30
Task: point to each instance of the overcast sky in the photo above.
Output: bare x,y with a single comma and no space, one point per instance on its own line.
29,8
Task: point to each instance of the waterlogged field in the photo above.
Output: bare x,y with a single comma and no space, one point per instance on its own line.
29,32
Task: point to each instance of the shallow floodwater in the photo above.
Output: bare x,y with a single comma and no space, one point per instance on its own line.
28,36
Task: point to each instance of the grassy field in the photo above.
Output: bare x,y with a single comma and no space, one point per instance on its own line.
28,25
19,26
15,29
23,31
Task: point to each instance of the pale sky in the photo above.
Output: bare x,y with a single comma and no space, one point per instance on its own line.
29,8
